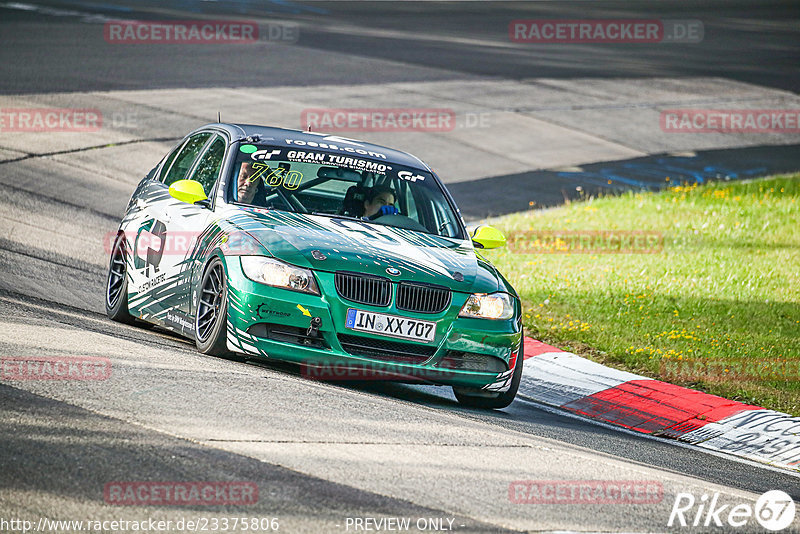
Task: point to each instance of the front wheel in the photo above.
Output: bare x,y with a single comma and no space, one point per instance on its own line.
117,284
211,318
488,401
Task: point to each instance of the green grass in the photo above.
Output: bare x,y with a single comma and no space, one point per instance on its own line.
723,292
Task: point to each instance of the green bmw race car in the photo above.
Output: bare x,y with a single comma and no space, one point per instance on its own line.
348,258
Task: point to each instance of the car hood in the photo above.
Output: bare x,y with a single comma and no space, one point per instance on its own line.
340,244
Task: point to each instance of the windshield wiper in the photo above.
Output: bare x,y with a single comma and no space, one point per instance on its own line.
339,216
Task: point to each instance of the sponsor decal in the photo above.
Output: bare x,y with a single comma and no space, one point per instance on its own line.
263,311
55,368
410,176
247,149
585,492
50,120
179,321
260,155
336,146
180,493
774,510
180,32
152,282
730,121
338,160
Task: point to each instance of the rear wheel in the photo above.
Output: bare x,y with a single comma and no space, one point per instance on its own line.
117,284
211,318
489,401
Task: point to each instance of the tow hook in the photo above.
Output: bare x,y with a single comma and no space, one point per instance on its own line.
313,329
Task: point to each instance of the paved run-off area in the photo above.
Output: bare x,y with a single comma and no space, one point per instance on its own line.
321,453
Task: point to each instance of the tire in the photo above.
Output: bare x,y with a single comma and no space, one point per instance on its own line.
211,316
483,400
117,284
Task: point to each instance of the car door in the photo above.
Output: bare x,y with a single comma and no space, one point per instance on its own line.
163,239
185,223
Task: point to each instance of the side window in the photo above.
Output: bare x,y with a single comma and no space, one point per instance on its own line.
182,163
168,162
208,167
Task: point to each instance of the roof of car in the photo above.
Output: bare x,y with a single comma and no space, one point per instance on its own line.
300,139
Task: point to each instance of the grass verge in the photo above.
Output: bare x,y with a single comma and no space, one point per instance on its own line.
714,304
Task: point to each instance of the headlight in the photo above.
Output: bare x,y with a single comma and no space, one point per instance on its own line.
276,273
494,306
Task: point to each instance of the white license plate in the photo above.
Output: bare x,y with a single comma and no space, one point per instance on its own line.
390,325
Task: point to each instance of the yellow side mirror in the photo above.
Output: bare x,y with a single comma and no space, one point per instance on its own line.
488,237
189,191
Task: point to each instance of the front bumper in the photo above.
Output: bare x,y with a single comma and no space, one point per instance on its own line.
272,323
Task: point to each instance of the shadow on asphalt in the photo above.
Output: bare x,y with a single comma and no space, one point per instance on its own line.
549,188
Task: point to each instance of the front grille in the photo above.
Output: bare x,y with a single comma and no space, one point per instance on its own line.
422,298
472,361
286,334
385,350
363,289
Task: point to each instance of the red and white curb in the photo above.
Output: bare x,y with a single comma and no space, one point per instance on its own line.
565,380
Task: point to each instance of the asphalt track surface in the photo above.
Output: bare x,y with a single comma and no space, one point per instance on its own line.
320,453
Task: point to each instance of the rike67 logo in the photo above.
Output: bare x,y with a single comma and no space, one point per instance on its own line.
773,511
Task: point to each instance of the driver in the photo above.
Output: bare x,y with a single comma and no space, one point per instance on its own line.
379,202
246,187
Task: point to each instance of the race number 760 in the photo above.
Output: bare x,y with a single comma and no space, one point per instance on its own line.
276,177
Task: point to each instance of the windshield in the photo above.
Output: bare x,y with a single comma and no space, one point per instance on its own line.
325,183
